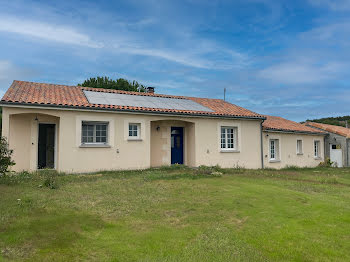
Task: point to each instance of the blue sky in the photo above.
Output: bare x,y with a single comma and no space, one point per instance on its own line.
285,58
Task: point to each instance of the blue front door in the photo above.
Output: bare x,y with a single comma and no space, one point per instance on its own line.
177,149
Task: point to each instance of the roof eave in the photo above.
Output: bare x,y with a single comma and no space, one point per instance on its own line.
129,110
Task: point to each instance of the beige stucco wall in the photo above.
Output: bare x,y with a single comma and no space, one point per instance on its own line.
288,150
161,142
22,134
201,140
208,152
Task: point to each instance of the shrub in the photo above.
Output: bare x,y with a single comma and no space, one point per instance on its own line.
50,178
51,183
5,156
326,163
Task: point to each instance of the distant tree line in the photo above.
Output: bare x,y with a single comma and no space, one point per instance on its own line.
337,121
118,84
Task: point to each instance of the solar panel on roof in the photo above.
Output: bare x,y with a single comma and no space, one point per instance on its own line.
143,101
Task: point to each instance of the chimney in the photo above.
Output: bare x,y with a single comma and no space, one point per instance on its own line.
150,89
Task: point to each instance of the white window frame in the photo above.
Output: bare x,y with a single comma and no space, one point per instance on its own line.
300,151
317,152
224,139
94,124
276,150
138,131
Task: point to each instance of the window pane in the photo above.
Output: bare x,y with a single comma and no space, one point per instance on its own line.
228,137
134,130
94,133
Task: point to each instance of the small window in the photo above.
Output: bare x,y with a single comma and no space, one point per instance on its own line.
299,147
228,138
94,133
274,149
317,149
134,131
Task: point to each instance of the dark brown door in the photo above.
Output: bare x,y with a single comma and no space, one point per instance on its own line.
46,146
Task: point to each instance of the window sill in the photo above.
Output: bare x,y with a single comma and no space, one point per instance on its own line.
229,151
300,154
318,158
274,161
134,139
94,145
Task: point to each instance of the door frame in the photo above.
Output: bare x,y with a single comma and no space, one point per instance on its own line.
183,144
55,144
342,154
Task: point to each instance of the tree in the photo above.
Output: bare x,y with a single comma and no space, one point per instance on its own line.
5,156
337,121
108,83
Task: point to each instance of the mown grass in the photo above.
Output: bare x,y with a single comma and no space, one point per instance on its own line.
177,214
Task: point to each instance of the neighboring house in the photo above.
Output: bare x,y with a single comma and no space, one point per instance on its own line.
337,143
80,129
287,143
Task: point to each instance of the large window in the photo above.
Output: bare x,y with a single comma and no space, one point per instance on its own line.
274,149
94,133
317,149
228,138
299,147
134,131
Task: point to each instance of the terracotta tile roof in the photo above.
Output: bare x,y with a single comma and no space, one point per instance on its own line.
276,123
342,131
30,93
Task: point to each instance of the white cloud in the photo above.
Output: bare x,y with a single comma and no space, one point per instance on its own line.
9,72
5,68
128,44
65,35
336,5
301,72
165,54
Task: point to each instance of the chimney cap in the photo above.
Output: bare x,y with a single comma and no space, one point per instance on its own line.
150,89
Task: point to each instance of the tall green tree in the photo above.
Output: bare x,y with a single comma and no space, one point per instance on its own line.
118,84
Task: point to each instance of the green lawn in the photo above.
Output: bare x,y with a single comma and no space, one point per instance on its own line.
177,214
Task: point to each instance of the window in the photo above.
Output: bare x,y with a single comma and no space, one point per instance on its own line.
317,149
299,146
94,133
134,131
228,138
274,149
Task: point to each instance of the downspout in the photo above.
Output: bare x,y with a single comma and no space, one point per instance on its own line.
347,151
261,144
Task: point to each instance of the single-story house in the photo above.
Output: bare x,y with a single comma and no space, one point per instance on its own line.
337,143
288,143
82,129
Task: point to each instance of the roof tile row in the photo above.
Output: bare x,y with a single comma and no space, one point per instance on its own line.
23,92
